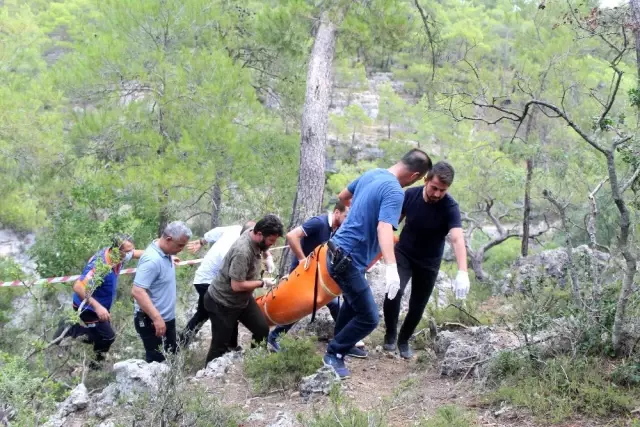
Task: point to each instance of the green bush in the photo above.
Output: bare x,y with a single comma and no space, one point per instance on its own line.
343,413
506,364
296,359
561,388
626,374
449,416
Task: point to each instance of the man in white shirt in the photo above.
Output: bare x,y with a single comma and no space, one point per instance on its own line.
222,239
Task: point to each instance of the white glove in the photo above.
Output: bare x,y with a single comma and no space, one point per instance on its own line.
392,280
271,266
461,287
269,282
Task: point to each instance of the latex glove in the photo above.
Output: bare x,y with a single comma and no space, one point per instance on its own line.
461,287
269,282
392,280
271,266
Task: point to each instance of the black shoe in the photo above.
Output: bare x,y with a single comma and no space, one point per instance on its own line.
389,344
405,350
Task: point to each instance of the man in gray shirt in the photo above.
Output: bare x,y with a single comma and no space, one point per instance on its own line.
229,299
154,292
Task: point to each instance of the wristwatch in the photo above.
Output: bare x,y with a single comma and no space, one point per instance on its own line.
203,242
262,281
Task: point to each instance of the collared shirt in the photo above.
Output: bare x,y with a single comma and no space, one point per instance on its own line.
105,292
223,237
317,230
377,196
157,275
242,263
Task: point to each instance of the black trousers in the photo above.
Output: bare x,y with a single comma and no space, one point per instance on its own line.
201,315
422,283
152,343
100,334
224,325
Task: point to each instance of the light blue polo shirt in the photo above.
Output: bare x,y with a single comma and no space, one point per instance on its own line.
157,274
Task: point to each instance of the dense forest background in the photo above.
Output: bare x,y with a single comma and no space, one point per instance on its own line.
120,116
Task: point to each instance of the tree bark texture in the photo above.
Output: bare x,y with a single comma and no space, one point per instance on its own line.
313,132
526,217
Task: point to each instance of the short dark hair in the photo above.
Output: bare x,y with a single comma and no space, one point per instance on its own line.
341,207
444,171
270,225
247,225
118,239
417,160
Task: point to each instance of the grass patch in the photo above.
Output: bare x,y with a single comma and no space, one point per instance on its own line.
343,413
268,371
449,416
559,388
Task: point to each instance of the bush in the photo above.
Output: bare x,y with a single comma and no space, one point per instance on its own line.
626,374
560,387
296,359
449,416
343,413
506,364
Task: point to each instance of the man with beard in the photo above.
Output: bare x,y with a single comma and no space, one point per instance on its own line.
229,299
430,215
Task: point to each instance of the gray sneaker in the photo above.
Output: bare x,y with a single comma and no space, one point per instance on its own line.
359,353
405,350
389,344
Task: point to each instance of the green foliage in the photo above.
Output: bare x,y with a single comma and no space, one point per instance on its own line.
28,389
343,413
560,388
449,416
626,374
297,358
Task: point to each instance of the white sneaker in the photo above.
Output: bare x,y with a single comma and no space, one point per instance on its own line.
360,344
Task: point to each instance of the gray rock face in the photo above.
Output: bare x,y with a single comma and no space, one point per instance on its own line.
284,419
465,351
320,382
551,267
77,401
322,327
219,367
134,377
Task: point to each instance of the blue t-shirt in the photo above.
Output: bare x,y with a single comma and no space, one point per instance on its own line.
316,232
105,293
157,275
426,227
377,196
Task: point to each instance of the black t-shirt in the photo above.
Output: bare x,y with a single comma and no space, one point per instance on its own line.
426,226
316,232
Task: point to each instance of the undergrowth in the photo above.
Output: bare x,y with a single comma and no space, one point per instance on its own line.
297,358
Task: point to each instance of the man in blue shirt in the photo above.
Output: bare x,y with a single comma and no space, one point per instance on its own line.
303,240
154,292
103,285
430,215
377,203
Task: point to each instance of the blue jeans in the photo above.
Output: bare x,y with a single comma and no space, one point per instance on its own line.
334,309
358,315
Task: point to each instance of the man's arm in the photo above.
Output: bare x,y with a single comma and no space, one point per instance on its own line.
293,239
137,253
459,248
385,239
345,197
144,301
79,287
247,285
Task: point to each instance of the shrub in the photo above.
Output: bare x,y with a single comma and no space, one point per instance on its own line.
296,359
561,388
343,413
449,416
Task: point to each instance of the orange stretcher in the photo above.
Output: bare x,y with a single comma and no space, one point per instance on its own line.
292,298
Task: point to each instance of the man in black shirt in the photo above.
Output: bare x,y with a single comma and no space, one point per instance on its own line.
430,215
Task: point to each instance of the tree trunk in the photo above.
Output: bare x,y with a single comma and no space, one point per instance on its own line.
476,259
313,132
216,201
163,215
526,217
635,17
629,257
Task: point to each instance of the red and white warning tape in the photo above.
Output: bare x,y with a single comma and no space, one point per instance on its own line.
63,279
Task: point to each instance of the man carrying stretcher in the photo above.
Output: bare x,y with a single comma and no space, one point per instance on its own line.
376,199
303,240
